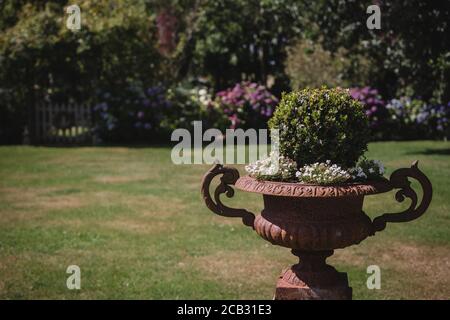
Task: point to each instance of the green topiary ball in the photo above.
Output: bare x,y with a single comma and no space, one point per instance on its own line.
321,124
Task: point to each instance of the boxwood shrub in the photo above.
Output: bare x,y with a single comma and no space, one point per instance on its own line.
321,124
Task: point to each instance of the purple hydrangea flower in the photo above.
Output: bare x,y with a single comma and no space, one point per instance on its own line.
247,102
375,107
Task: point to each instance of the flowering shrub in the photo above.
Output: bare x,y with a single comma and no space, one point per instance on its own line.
322,173
265,169
367,170
415,119
246,105
189,103
134,113
403,118
139,114
375,108
435,120
404,111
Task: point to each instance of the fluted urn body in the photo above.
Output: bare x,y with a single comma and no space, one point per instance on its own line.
313,223
313,220
310,217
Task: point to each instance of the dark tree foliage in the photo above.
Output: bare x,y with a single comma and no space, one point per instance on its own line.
220,41
244,39
411,51
42,60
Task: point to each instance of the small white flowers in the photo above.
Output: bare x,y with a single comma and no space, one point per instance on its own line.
367,169
380,166
273,168
322,173
202,95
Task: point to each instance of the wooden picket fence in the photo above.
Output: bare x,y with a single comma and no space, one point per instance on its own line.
65,124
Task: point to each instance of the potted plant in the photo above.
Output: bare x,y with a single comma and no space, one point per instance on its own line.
313,203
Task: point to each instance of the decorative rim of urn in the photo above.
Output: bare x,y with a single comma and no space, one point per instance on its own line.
289,189
397,180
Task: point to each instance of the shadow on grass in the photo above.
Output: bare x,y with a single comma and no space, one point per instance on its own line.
429,152
137,145
109,145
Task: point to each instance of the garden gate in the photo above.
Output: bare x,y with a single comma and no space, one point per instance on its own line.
64,123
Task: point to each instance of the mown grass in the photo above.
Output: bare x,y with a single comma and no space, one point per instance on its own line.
136,225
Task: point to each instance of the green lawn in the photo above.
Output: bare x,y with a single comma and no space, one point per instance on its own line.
136,226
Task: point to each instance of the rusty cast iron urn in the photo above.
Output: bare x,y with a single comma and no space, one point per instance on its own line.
313,220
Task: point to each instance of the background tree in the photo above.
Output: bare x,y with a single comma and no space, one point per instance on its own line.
244,40
41,60
409,54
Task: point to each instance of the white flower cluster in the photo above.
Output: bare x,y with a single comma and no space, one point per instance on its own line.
322,173
358,173
325,173
273,168
202,96
367,169
379,164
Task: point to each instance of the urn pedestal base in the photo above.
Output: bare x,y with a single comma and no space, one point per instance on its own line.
312,279
286,291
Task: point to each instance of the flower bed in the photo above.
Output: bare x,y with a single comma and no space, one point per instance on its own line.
403,118
140,113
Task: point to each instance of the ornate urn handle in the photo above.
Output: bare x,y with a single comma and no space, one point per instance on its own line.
229,177
399,180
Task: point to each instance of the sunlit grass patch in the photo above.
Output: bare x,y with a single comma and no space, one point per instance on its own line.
136,225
